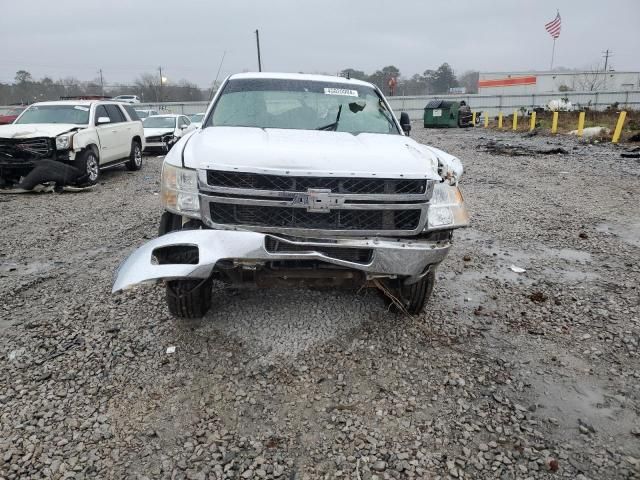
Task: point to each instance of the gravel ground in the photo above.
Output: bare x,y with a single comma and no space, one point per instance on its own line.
506,375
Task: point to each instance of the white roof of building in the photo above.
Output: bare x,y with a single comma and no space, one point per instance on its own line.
563,72
301,76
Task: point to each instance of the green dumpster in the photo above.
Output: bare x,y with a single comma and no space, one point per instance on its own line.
445,114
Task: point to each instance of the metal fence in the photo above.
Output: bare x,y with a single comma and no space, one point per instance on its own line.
489,104
493,104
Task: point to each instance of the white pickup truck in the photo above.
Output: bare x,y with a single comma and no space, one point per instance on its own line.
301,179
67,143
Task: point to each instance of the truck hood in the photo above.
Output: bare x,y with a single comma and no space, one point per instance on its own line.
152,132
309,153
36,130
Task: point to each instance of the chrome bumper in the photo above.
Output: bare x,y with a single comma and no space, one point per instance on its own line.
401,257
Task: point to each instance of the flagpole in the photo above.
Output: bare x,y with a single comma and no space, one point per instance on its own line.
553,52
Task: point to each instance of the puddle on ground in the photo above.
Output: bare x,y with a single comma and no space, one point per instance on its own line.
564,265
579,398
629,233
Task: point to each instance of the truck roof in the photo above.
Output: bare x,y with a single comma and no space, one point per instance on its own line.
300,76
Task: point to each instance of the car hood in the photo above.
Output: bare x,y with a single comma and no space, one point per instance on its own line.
309,153
152,132
36,130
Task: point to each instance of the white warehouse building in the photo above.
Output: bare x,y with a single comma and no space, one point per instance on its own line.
528,83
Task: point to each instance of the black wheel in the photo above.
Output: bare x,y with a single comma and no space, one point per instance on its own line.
87,162
185,298
135,157
189,298
415,296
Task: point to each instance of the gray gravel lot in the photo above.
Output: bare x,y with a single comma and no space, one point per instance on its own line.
506,375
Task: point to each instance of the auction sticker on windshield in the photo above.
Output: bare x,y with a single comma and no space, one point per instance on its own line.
340,91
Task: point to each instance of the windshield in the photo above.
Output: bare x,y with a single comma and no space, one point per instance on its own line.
142,113
75,114
125,97
302,105
159,122
197,117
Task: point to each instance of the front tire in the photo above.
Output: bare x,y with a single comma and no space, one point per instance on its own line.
409,299
185,298
88,163
415,296
189,298
135,157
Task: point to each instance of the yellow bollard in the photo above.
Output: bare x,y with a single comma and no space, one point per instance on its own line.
515,119
500,120
486,120
554,123
533,121
618,130
473,119
580,123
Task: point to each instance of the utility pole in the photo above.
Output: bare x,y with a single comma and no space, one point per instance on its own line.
606,54
160,86
101,83
258,45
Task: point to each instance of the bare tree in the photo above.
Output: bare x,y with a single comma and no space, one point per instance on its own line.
149,86
590,80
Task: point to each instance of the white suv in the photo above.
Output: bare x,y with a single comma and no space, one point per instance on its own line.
68,143
127,99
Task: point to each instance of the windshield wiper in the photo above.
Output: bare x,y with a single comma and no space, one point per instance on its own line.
333,126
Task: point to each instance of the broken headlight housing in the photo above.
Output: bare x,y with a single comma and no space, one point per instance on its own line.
446,208
64,142
179,191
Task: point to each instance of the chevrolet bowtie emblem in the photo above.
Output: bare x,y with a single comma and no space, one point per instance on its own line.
317,200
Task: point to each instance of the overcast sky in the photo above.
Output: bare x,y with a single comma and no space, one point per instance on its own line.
62,38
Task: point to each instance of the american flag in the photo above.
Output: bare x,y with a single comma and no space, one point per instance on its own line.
553,27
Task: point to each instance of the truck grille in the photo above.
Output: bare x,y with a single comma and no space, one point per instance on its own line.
256,181
291,217
321,206
356,255
26,148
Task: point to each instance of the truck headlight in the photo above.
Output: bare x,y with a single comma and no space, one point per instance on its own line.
63,142
179,191
446,208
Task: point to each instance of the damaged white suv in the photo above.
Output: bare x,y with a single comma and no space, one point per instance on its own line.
304,180
67,143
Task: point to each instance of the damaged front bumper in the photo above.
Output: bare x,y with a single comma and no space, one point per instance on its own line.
27,174
388,257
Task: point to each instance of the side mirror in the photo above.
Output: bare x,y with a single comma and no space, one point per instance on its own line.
184,127
103,120
405,122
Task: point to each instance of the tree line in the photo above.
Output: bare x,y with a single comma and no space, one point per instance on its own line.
437,81
25,89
